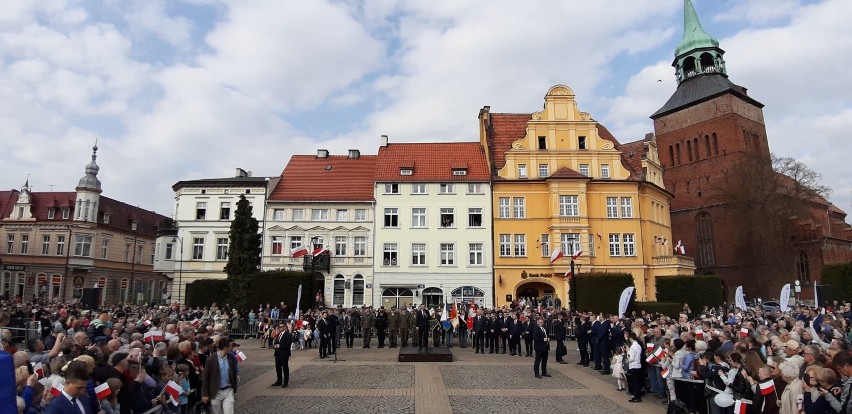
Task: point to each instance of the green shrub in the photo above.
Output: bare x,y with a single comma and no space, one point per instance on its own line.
839,277
697,291
600,292
204,292
670,309
281,286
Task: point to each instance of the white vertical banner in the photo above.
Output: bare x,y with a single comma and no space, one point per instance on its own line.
816,296
785,298
298,302
739,298
626,295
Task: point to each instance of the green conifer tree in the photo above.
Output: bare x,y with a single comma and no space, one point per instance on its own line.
243,254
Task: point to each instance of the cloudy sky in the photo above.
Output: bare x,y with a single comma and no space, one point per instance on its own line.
178,90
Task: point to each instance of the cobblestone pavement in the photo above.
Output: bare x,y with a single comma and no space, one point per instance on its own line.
372,381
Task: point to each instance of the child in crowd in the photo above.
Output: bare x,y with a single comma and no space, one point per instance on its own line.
301,333
618,369
109,405
183,381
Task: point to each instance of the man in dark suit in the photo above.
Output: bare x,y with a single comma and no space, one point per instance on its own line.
559,337
541,345
422,328
74,397
492,333
593,342
324,329
583,331
503,329
334,332
517,332
603,347
526,328
282,345
349,329
479,323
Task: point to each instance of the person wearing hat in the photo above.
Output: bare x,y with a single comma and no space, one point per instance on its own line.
791,348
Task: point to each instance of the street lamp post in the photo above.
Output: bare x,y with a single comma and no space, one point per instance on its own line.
180,269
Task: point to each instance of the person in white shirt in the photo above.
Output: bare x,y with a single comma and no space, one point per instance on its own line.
634,365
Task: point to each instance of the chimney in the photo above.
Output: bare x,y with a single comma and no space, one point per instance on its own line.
241,173
322,153
384,141
354,154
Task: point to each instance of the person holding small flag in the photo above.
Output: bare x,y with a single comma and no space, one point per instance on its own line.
107,394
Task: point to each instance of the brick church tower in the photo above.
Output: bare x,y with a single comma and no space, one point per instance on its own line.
707,129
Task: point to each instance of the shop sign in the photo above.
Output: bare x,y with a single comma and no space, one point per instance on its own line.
525,275
17,268
42,280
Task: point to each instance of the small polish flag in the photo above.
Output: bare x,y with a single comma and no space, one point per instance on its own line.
665,241
699,333
556,255
241,356
102,391
649,346
298,251
568,274
39,369
320,250
744,332
154,336
576,255
43,381
146,323
196,322
660,354
174,390
767,387
679,248
665,373
651,359
740,407
56,389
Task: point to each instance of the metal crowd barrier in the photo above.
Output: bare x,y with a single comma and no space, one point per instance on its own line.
24,330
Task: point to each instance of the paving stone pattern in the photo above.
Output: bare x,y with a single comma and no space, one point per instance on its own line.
327,405
496,405
346,376
249,372
503,377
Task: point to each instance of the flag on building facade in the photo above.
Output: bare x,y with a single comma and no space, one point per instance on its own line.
298,251
556,255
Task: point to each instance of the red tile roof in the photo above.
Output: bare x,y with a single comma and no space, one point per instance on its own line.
631,157
432,162
7,200
307,178
566,172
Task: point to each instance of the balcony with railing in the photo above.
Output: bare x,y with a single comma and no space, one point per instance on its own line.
320,262
675,260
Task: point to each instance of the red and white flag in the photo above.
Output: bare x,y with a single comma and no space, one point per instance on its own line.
699,333
651,359
146,323
568,274
174,390
660,354
241,356
320,250
556,255
576,255
39,369
153,336
679,248
195,322
649,346
56,389
744,332
767,387
740,407
102,391
298,251
665,373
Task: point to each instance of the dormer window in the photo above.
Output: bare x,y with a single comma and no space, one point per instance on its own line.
133,225
106,218
51,213
406,171
459,171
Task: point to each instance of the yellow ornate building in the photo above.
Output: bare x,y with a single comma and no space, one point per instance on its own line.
561,180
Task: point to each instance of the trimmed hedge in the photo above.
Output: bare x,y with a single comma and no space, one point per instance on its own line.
839,277
277,286
670,309
204,292
697,291
600,292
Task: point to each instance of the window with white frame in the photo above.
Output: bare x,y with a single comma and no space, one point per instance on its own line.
520,245
520,209
418,217
10,244
45,244
418,254
626,207
475,257
170,248
418,188
522,171
543,171
474,188
448,254
197,248
277,245
66,213
360,214
629,243
319,214
278,214
505,245
51,213
448,217
298,214
200,210
360,245
591,245
612,207
545,245
447,188
504,207
106,218
474,217
391,188
584,169
614,244
340,245
60,245
295,241
391,217
604,170
25,243
221,248
342,215
569,206
570,243
389,254
83,245
127,252
225,210
104,248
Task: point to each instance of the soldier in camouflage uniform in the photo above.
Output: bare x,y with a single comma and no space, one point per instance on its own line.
393,326
405,322
367,322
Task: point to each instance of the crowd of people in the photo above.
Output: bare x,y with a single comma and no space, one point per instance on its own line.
121,359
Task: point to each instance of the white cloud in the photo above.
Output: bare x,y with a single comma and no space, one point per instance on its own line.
149,17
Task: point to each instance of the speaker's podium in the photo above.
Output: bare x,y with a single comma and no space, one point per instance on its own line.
91,299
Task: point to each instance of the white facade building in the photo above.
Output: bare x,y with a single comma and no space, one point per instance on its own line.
433,225
197,248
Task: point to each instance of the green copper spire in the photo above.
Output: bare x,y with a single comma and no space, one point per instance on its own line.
694,36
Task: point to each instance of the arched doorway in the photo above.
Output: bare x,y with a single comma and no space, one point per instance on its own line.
534,290
433,297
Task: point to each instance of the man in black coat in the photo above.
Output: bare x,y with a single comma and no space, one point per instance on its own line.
526,328
603,347
324,334
282,345
542,346
479,322
422,328
517,332
559,336
348,326
593,342
583,331
492,332
334,330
